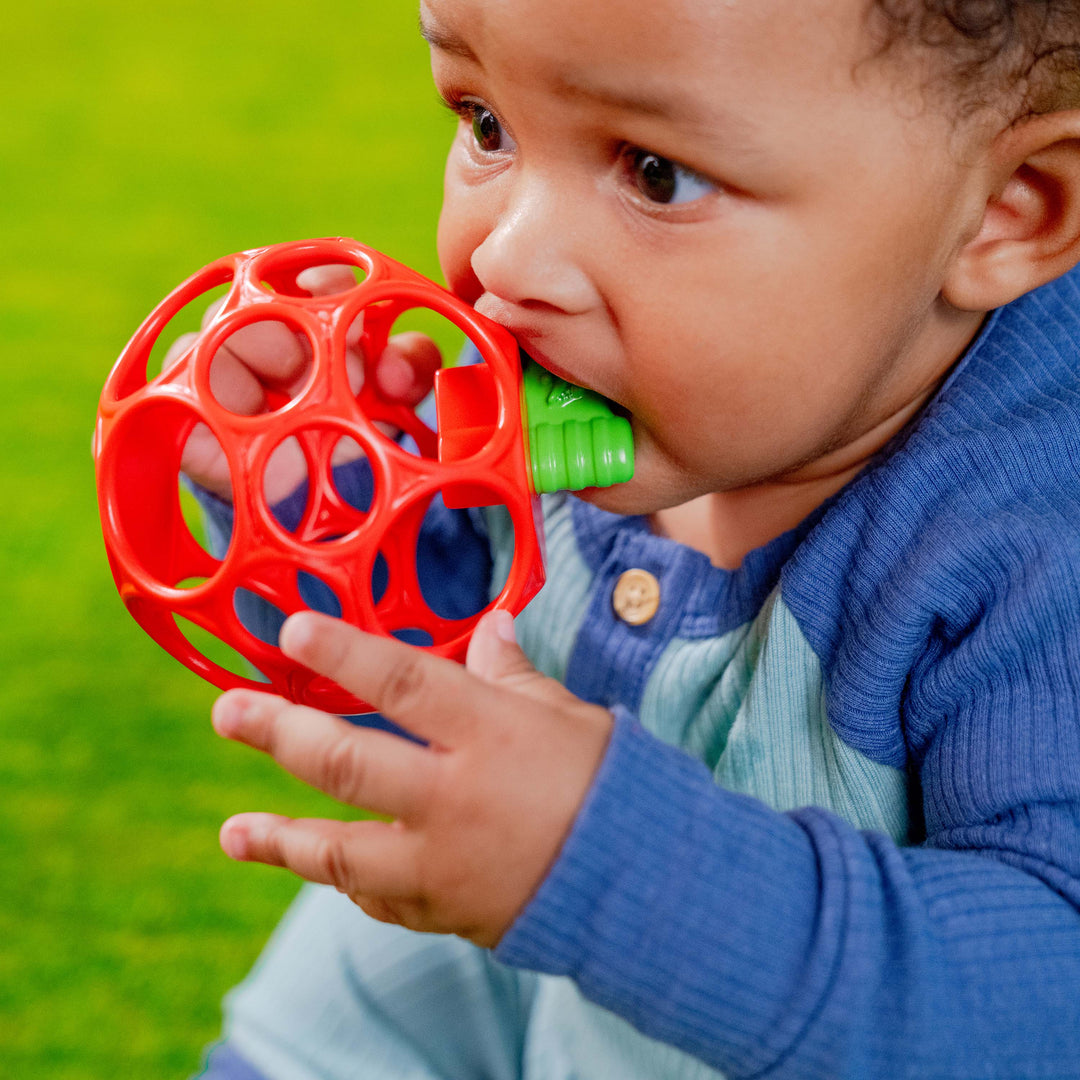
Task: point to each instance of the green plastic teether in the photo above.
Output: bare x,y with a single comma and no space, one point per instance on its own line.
575,440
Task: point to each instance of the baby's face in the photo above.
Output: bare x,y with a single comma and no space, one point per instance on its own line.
724,215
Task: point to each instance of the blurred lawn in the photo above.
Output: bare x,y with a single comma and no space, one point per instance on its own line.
139,142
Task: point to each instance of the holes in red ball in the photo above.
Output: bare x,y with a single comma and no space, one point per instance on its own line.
261,618
188,584
215,650
204,466
151,517
285,483
290,274
264,619
402,348
448,337
380,578
177,336
352,476
319,484
260,367
440,580
317,594
453,576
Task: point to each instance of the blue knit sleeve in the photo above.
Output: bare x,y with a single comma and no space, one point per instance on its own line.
792,945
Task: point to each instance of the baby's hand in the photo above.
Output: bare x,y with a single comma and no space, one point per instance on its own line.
269,356
480,812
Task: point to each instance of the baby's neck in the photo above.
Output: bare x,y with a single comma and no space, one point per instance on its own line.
728,525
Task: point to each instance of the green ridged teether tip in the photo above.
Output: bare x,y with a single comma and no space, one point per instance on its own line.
575,440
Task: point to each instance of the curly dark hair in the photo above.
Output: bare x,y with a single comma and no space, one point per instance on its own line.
1023,55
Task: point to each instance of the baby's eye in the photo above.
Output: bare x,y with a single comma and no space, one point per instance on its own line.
489,134
661,180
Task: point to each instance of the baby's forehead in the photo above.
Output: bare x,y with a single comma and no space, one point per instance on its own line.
689,48
669,21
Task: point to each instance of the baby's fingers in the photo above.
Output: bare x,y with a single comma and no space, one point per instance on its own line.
326,280
406,369
359,858
430,696
202,459
359,766
271,350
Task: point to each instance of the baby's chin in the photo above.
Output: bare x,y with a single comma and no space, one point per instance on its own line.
634,498
658,483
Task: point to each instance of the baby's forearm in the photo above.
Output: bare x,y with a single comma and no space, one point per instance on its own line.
793,945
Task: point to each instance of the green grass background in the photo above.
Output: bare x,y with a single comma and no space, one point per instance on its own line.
137,143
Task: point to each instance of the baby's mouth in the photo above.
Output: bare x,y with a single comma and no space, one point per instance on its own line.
564,376
541,360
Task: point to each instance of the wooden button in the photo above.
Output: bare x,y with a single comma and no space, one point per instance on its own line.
636,596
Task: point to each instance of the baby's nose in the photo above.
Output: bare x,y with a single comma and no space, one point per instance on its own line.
535,254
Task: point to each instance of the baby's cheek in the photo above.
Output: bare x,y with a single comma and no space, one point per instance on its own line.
462,229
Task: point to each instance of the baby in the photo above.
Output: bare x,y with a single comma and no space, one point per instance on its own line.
814,810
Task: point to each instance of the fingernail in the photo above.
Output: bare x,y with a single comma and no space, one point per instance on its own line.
228,714
503,625
234,841
295,633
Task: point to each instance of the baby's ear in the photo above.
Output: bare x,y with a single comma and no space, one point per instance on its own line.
1029,232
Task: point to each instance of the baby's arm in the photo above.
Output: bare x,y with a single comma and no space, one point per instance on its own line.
794,946
764,943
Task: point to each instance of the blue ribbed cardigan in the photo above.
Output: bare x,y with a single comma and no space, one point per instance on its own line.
897,893
940,592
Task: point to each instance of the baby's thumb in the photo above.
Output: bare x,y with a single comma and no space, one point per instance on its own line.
494,654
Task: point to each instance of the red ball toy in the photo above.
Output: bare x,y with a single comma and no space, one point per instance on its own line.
476,457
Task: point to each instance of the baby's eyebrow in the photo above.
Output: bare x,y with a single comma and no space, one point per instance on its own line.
630,99
665,103
448,42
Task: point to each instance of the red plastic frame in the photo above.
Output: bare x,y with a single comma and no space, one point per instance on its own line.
478,457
